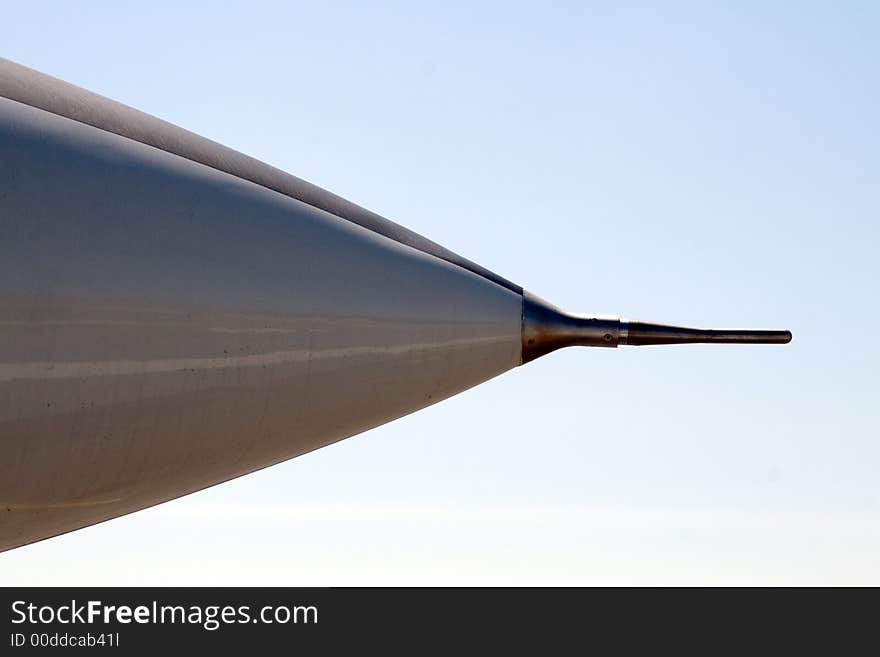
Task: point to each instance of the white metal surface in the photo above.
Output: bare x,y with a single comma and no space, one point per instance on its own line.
165,326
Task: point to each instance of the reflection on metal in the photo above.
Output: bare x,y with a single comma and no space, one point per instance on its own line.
546,328
174,314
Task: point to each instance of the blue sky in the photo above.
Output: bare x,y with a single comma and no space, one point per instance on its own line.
687,162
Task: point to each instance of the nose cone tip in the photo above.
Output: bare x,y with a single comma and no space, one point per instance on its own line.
546,328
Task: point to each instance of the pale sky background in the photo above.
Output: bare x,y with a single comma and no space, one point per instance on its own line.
682,161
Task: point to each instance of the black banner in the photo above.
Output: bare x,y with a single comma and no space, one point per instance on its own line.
329,621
